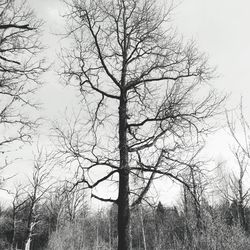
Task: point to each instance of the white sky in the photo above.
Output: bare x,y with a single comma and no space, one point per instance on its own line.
220,29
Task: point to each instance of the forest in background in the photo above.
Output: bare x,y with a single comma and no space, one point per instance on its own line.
147,109
63,220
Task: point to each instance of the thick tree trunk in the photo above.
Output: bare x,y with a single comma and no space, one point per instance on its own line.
123,198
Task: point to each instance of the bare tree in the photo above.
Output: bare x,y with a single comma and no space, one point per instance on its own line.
143,90
20,68
54,205
18,204
194,203
74,203
237,190
39,185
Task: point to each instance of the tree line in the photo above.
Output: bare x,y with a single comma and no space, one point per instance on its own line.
63,220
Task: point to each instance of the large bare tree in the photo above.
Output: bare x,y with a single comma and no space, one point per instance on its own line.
145,95
20,68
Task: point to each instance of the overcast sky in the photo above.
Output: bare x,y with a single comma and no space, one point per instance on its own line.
219,27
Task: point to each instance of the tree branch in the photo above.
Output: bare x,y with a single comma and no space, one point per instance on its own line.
8,26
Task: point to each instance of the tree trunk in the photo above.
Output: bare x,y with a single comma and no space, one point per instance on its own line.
30,235
123,198
196,203
242,215
27,245
13,243
110,232
241,203
143,229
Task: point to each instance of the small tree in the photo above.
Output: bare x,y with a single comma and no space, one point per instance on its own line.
141,86
238,193
18,205
39,185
